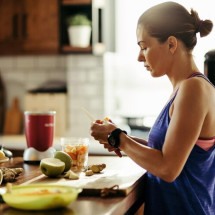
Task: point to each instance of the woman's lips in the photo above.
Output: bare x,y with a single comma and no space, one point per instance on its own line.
147,68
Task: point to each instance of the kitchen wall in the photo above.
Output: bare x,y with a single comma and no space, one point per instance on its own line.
85,81
82,73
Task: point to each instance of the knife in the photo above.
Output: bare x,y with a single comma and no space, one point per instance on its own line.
91,117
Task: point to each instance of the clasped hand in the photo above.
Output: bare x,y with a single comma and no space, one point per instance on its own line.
100,131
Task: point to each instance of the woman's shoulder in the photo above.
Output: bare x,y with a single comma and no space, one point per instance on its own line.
197,85
195,91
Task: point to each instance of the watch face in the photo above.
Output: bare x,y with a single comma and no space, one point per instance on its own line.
111,141
113,138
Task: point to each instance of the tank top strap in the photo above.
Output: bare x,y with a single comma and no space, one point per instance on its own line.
198,74
195,74
174,95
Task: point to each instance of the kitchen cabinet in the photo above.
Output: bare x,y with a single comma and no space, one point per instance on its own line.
10,38
38,26
29,26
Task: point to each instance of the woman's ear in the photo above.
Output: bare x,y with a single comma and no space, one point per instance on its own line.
173,44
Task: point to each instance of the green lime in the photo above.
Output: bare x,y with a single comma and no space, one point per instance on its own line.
52,167
64,157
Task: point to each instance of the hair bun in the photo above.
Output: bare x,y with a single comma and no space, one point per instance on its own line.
198,29
204,27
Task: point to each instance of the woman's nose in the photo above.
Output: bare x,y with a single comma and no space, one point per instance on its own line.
141,57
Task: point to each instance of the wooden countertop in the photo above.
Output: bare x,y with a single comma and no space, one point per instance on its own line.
121,171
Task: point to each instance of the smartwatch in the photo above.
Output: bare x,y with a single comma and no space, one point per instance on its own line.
113,137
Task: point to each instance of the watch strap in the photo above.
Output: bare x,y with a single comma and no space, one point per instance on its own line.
113,138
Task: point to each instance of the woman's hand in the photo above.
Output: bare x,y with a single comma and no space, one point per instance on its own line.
100,132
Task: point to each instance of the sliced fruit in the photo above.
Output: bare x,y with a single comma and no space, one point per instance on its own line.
52,167
2,154
64,157
78,153
71,175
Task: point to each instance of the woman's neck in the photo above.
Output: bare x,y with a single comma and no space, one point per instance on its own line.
181,71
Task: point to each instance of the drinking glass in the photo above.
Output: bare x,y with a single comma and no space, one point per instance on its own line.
77,148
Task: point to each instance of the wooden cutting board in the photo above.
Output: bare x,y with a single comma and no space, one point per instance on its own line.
117,179
13,119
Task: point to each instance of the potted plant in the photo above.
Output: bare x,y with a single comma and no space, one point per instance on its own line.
79,29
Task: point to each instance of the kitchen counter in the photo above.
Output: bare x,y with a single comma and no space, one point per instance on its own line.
125,173
17,144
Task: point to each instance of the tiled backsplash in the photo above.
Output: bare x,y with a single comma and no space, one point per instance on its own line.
85,81
82,73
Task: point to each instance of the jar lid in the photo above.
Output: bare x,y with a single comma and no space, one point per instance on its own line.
40,112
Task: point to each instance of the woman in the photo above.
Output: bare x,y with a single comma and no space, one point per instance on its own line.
179,155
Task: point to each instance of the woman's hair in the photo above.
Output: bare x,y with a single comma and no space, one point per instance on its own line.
172,19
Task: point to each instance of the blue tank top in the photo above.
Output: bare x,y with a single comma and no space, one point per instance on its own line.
193,192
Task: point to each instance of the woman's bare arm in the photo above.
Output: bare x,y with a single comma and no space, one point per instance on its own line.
139,140
184,129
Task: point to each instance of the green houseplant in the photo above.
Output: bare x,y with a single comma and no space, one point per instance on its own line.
78,19
79,29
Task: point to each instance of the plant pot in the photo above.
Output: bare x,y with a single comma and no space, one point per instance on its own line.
79,36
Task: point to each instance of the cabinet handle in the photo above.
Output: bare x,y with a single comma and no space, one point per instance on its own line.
24,25
15,26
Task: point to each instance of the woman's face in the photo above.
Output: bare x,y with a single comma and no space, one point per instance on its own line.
152,53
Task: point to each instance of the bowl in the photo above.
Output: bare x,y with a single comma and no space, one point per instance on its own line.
40,196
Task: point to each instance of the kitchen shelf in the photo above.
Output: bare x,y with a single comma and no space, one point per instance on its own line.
76,2
69,49
67,9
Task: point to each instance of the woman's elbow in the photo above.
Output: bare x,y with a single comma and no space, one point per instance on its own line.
169,176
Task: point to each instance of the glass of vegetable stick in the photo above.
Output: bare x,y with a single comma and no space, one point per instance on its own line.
77,149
